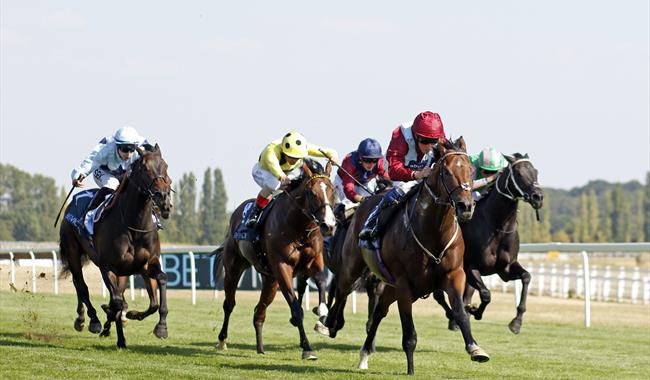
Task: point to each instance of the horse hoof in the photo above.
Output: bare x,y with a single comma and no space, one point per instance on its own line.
363,359
260,352
514,326
221,345
95,327
78,325
321,329
478,354
132,315
160,331
309,355
453,326
121,346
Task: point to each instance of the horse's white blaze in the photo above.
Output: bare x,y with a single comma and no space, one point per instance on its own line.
322,310
363,359
330,220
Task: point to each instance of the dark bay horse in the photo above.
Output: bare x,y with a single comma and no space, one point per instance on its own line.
492,240
125,242
292,240
422,250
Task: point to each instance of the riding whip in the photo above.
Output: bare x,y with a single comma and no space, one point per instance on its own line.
63,205
346,172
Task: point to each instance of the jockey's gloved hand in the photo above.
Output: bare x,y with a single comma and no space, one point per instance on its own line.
79,181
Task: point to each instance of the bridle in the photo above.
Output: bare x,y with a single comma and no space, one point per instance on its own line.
510,178
463,186
148,193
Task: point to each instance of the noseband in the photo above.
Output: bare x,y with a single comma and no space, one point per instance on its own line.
511,178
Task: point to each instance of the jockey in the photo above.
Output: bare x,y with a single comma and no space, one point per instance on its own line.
410,154
363,165
108,162
488,164
279,163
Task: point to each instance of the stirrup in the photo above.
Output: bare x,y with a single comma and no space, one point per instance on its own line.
368,234
252,222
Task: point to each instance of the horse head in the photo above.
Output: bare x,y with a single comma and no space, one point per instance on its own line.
451,178
521,180
149,174
317,193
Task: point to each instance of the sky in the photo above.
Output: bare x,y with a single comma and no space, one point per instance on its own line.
567,82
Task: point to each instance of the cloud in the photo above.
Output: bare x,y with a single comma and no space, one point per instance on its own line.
67,19
232,45
10,38
146,68
367,25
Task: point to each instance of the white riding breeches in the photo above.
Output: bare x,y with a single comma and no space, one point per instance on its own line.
268,181
105,179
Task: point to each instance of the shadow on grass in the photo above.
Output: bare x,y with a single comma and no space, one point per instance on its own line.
284,368
315,345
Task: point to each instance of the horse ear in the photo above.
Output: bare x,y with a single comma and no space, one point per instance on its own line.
461,144
140,151
526,155
306,169
328,168
156,148
509,158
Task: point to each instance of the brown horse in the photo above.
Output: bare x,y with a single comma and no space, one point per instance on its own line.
492,240
292,241
125,242
422,250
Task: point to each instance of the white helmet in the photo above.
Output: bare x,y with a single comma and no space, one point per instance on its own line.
127,136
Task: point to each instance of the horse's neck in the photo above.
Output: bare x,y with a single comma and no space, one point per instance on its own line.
429,216
498,209
295,212
134,206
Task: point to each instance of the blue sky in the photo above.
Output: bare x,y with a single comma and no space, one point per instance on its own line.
213,82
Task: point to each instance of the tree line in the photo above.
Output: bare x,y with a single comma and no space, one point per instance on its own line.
597,212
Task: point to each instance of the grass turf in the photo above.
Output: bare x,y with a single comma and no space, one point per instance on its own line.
37,340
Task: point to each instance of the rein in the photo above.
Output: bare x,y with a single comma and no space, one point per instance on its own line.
449,202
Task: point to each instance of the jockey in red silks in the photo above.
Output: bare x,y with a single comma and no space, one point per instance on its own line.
410,155
361,167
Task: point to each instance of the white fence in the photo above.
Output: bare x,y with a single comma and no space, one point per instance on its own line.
606,283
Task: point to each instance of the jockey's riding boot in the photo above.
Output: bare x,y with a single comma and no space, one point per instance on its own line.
254,216
370,229
99,197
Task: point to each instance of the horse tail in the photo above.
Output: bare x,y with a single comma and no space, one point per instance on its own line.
70,250
217,268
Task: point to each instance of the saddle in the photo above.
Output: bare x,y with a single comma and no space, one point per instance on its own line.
82,219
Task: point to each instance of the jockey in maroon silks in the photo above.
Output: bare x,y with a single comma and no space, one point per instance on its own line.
361,167
410,155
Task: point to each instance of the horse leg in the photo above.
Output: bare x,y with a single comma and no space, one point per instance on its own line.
269,288
474,280
516,271
380,310
331,290
155,272
321,283
115,285
284,274
409,336
301,286
374,289
110,310
455,288
439,296
151,286
232,271
83,296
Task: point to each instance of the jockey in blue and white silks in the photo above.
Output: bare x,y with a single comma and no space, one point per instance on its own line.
108,161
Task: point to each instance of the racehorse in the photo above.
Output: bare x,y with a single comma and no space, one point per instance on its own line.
422,250
292,240
125,242
492,240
